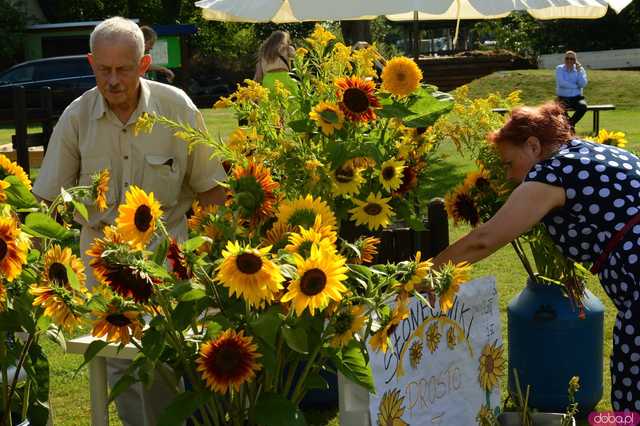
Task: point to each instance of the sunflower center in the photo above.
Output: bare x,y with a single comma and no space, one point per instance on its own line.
609,142
356,100
467,209
345,174
313,282
489,364
401,76
304,249
119,320
302,217
372,209
142,218
388,173
344,322
228,358
3,248
128,282
58,273
248,263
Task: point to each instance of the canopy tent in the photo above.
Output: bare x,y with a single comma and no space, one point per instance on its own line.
282,11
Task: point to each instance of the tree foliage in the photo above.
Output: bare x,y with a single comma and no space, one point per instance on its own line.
12,27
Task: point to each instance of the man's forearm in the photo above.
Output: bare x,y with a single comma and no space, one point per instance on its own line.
214,196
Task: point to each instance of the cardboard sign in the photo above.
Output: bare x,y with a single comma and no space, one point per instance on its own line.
442,369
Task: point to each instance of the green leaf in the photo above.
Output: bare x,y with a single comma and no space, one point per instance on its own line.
394,110
330,116
160,253
153,343
158,271
213,329
195,243
301,126
73,278
94,349
41,225
193,294
427,109
351,362
9,321
181,408
183,314
19,195
316,381
121,385
267,325
296,338
275,410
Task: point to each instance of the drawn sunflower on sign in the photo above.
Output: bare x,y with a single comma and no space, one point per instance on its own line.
491,368
433,337
391,409
451,338
415,353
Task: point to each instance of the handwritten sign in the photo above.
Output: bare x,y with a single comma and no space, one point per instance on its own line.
442,369
160,52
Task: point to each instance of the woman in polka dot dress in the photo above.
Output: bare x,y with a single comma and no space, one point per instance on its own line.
588,197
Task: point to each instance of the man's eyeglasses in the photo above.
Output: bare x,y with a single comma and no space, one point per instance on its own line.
570,59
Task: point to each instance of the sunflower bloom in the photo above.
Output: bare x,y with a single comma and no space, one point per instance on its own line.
368,250
278,235
450,277
321,235
347,179
253,190
99,189
59,304
491,367
462,207
248,273
379,341
391,409
391,173
452,338
320,279
56,262
328,116
228,361
347,323
401,76
137,218
479,180
433,337
419,271
3,195
8,167
374,212
611,138
119,325
357,98
303,212
13,248
178,261
415,353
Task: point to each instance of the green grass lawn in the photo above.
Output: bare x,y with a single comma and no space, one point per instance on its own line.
70,394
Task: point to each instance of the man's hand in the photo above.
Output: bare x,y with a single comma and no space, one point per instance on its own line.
578,66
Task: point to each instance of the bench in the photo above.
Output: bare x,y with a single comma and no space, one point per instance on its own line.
595,108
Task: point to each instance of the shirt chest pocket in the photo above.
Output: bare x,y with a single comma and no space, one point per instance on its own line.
91,166
161,175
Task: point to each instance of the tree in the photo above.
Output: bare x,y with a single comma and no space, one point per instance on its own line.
12,28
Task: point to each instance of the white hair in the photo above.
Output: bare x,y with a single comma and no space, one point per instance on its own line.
118,28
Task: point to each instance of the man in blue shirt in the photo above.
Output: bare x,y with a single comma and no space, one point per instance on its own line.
571,78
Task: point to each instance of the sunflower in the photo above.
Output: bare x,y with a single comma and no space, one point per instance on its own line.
301,242
57,261
450,277
374,212
415,353
357,98
59,304
391,409
119,325
253,191
347,322
319,280
347,179
419,271
228,361
328,116
249,274
479,180
433,337
278,235
137,218
379,341
368,248
13,248
8,167
3,195
200,215
611,138
3,297
401,310
177,261
401,76
391,174
99,189
491,367
409,180
462,207
303,212
452,338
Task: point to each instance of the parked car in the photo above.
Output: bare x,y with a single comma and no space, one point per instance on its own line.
67,76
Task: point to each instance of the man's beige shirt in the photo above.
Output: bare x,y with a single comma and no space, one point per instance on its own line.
89,138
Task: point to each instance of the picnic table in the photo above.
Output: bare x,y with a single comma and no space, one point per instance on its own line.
594,108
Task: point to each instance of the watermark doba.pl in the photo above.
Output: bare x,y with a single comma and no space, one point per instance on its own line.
614,418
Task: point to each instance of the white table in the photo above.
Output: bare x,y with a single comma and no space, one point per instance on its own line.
98,386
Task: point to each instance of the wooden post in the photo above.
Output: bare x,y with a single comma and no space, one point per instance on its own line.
20,120
438,226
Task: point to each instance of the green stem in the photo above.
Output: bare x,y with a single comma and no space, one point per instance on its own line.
5,379
297,393
14,383
523,258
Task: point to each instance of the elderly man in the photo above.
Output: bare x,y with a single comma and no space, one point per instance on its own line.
571,78
95,133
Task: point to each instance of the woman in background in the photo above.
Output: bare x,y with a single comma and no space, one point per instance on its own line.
274,61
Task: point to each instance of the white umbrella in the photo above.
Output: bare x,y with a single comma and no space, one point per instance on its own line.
281,11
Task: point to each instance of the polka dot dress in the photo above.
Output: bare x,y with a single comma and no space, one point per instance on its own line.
602,188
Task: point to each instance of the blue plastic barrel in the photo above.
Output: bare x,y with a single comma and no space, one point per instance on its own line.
549,343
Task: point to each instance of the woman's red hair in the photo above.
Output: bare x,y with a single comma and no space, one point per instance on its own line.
546,122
